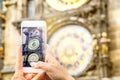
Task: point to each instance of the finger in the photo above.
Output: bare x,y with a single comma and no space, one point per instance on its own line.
29,76
39,76
47,77
19,59
42,65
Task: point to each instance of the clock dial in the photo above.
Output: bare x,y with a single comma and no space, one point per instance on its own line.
72,46
33,58
33,44
62,5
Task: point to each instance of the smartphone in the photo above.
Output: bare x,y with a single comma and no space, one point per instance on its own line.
33,44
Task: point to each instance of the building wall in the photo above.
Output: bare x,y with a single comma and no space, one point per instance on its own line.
12,37
114,34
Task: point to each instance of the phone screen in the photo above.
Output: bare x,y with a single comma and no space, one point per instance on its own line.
33,45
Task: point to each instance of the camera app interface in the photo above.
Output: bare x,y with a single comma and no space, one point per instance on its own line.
32,45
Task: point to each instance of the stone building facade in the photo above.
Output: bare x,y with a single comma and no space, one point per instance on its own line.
98,15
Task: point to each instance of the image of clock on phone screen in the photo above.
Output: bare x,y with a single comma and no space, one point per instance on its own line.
33,43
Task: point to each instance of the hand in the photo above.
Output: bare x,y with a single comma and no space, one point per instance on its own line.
52,68
19,75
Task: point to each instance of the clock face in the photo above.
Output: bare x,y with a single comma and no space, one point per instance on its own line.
62,5
33,58
33,44
72,46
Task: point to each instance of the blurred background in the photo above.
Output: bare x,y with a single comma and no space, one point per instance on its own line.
84,35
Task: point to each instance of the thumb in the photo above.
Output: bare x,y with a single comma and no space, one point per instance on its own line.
19,59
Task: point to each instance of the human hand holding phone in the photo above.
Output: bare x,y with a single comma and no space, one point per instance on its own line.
33,52
20,75
52,70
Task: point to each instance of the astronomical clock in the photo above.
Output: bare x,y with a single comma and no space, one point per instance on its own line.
70,25
69,38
